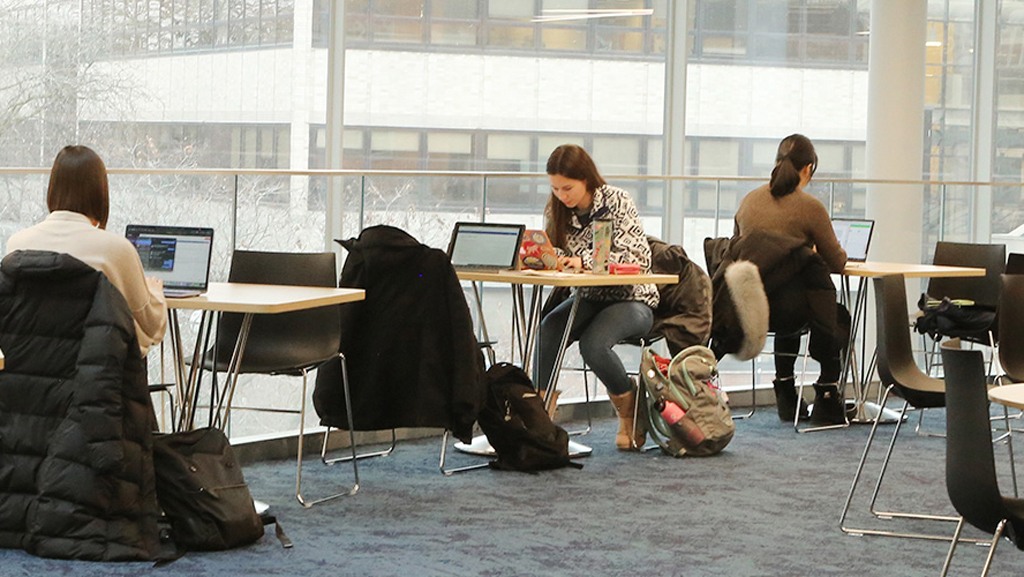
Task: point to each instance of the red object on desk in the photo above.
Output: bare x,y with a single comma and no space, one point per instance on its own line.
623,268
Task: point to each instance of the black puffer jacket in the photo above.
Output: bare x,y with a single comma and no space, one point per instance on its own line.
76,453
412,356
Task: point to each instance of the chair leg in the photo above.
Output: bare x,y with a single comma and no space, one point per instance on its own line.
952,546
753,392
856,480
444,449
800,395
586,404
860,470
992,547
347,458
352,441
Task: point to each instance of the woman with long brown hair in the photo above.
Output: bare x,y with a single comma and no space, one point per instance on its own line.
606,315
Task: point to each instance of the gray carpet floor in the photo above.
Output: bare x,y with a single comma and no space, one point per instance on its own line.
768,505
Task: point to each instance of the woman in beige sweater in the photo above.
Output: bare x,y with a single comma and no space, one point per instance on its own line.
782,208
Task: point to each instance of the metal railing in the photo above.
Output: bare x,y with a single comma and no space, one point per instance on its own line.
303,210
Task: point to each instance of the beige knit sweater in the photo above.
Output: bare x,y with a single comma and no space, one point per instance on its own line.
798,215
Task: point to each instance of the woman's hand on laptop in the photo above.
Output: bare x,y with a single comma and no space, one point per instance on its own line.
571,263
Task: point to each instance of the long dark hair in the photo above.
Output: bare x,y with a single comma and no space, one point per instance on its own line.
795,152
573,162
78,182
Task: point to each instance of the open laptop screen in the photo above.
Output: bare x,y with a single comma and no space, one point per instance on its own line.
854,236
485,246
177,255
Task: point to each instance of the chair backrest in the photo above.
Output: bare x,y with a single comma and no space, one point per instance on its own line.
1011,326
1014,263
896,364
286,341
982,290
970,464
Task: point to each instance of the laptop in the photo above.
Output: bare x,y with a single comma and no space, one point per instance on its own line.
537,252
485,246
854,236
177,255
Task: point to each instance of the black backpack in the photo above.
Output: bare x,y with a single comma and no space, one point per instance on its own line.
201,489
518,427
955,318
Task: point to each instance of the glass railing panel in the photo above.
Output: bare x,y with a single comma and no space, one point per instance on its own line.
279,213
1008,217
427,207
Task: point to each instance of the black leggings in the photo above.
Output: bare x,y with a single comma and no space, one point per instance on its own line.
790,313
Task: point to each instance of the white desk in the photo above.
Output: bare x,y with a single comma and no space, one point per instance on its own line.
866,411
525,323
250,300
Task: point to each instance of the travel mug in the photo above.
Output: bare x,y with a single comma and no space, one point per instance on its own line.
602,243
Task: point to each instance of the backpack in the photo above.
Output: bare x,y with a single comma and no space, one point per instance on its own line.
201,490
517,425
688,381
955,318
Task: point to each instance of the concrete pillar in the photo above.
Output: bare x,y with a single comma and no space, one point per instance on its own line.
335,120
895,127
674,152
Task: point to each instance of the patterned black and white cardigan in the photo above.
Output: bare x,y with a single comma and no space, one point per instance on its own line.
629,245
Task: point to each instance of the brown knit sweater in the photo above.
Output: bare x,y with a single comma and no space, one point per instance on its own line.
798,215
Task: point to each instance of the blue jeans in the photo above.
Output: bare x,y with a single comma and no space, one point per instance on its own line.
598,327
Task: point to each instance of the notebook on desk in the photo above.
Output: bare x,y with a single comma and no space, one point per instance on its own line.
854,235
485,246
177,255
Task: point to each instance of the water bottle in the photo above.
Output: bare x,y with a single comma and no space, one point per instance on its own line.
602,243
683,425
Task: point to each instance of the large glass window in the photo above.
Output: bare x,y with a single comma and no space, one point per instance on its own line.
503,25
786,32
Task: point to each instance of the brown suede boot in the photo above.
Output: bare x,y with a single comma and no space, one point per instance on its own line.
631,436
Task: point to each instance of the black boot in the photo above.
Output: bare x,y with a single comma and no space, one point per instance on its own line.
829,408
786,401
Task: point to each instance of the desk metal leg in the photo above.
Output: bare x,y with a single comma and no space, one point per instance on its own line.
575,449
865,410
223,412
529,331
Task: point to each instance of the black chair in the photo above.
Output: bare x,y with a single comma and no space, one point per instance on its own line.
970,464
901,376
1011,327
984,290
1014,263
292,343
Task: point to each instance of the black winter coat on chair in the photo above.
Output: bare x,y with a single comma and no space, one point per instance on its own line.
76,421
410,349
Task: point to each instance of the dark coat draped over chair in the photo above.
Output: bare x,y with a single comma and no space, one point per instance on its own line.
76,422
683,315
412,355
796,282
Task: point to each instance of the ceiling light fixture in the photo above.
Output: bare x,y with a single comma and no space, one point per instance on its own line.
560,15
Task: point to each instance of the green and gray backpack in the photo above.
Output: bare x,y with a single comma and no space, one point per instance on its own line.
689,382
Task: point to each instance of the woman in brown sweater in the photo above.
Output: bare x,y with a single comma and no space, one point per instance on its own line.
782,208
